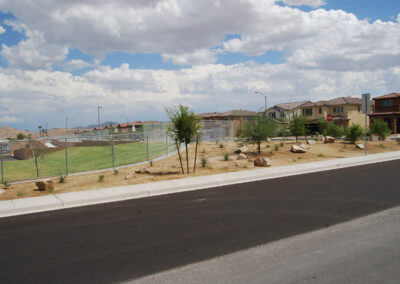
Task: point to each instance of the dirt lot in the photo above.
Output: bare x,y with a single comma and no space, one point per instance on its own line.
278,152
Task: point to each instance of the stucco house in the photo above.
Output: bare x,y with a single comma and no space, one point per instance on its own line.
387,108
286,111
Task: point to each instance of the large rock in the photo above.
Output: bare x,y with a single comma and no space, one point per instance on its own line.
329,139
262,162
297,149
311,142
45,185
304,146
360,146
241,157
269,139
242,149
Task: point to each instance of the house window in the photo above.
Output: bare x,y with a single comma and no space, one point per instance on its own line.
341,109
303,111
272,114
334,109
309,111
282,114
358,109
387,103
320,110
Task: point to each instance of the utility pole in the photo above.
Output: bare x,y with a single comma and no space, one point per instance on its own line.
98,115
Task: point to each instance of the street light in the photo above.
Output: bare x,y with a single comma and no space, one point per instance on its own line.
66,126
98,115
265,96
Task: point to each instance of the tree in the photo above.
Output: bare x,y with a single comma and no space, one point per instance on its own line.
20,136
297,126
322,125
334,130
353,133
38,156
184,127
258,129
40,130
380,128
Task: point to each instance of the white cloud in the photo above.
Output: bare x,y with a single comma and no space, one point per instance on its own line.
9,119
2,30
75,64
197,57
311,3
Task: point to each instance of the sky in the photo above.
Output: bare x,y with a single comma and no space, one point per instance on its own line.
135,58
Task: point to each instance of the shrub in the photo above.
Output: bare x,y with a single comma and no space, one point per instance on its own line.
226,156
100,178
353,133
204,151
297,126
380,128
62,179
151,163
203,162
382,146
267,146
321,155
115,172
281,144
6,184
322,125
19,193
334,130
250,161
276,148
221,146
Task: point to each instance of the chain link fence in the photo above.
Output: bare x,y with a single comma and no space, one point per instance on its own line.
83,152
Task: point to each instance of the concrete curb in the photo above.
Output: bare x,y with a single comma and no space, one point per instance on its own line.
96,196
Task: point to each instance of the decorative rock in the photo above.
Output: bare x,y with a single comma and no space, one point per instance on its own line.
262,162
304,146
142,171
311,142
129,176
269,139
237,151
43,186
241,157
329,139
360,146
297,149
243,149
50,185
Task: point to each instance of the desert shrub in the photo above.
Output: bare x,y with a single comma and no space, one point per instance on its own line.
353,133
100,178
226,156
115,172
322,125
276,147
151,163
281,144
203,162
19,193
297,126
6,184
334,130
61,179
380,128
221,146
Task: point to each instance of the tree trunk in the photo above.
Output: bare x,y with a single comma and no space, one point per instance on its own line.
187,157
259,148
179,154
195,154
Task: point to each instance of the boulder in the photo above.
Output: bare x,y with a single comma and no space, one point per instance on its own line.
242,149
329,139
241,157
304,146
142,171
360,146
129,176
297,149
50,185
269,139
45,185
311,142
262,162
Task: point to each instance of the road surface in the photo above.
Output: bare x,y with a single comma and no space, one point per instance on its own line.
121,241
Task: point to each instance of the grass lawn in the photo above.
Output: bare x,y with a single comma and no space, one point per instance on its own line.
83,159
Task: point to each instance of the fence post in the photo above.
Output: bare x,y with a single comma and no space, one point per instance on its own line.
1,158
147,138
112,151
66,157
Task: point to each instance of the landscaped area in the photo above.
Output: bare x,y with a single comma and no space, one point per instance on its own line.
211,160
82,159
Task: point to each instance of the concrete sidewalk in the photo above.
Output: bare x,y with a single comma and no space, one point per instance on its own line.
89,197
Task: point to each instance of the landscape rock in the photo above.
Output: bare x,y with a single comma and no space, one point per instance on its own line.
242,149
43,186
241,157
262,162
142,171
50,184
269,139
297,149
129,176
329,139
360,146
304,146
311,142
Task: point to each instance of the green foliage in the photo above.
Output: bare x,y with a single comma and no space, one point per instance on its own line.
100,178
204,151
61,179
258,129
380,128
221,146
281,145
353,133
19,193
226,156
321,155
382,146
151,163
267,146
297,126
20,136
334,130
6,184
115,172
203,162
322,125
276,148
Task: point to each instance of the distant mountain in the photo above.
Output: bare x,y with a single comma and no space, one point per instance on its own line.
95,125
9,132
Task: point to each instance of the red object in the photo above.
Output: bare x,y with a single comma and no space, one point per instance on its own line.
329,117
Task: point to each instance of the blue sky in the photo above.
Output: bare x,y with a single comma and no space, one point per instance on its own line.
90,54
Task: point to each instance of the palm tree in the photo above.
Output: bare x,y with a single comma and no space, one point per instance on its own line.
40,130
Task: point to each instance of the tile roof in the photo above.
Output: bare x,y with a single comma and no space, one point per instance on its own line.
291,106
388,96
337,101
228,113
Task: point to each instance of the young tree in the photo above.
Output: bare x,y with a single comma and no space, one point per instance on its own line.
353,133
20,136
322,125
40,130
259,129
38,156
380,128
184,127
297,126
334,130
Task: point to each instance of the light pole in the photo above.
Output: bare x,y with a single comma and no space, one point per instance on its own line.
98,115
265,97
66,126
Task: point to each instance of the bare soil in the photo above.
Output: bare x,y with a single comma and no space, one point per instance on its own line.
169,168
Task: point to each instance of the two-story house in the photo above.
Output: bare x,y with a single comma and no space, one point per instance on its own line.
387,108
284,112
345,112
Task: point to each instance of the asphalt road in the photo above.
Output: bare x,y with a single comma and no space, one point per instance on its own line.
122,241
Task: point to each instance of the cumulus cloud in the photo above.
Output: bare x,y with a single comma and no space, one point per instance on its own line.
2,29
9,119
75,64
311,3
197,57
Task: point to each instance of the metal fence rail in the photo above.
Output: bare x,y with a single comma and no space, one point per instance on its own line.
63,155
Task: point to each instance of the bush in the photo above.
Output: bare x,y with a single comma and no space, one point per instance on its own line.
62,179
115,172
380,128
6,184
297,126
334,130
203,162
353,133
100,178
276,148
322,125
221,146
226,156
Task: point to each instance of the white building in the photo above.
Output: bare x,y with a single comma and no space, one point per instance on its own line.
284,112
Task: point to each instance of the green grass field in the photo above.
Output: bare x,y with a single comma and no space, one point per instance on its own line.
83,159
